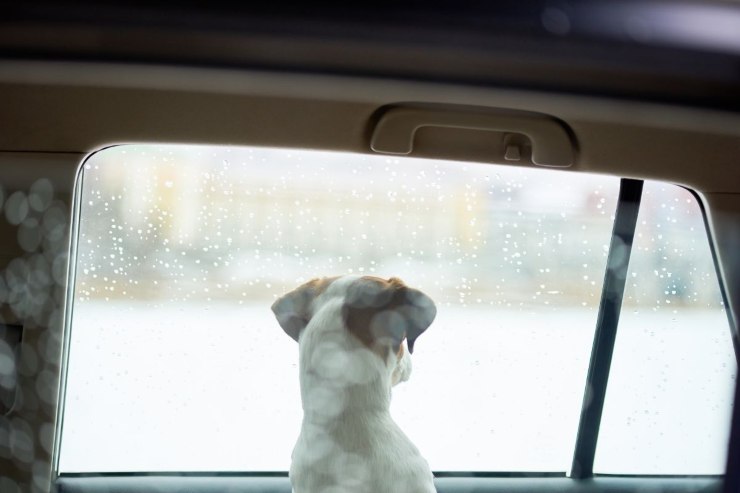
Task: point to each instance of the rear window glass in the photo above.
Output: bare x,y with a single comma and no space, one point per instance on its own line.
669,402
176,362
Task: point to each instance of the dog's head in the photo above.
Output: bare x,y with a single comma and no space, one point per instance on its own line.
380,313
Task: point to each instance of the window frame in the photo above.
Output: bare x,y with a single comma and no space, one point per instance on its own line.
605,332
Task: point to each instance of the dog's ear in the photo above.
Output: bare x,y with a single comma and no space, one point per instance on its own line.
293,310
419,311
385,313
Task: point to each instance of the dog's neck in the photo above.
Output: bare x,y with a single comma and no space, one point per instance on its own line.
340,378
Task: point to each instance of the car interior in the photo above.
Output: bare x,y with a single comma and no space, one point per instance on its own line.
638,91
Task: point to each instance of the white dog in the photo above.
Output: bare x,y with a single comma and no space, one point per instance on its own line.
350,332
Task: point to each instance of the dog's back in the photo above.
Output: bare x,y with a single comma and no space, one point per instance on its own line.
366,454
348,440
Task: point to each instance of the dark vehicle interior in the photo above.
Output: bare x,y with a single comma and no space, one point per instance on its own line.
639,90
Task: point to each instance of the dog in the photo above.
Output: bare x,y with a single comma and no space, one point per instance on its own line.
351,332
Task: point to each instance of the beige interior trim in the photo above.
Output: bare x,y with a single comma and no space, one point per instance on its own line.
84,107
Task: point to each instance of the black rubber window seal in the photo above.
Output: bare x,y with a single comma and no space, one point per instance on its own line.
610,306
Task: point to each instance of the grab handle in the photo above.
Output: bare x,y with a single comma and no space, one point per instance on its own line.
551,142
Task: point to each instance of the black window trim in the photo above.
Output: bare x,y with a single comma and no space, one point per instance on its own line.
610,306
722,289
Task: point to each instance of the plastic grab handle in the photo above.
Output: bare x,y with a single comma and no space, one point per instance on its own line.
551,142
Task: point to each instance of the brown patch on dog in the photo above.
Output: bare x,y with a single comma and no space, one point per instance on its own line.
293,310
382,313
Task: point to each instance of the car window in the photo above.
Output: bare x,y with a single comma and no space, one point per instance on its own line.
176,362
669,401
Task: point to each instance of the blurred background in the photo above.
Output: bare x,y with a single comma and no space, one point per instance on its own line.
183,222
